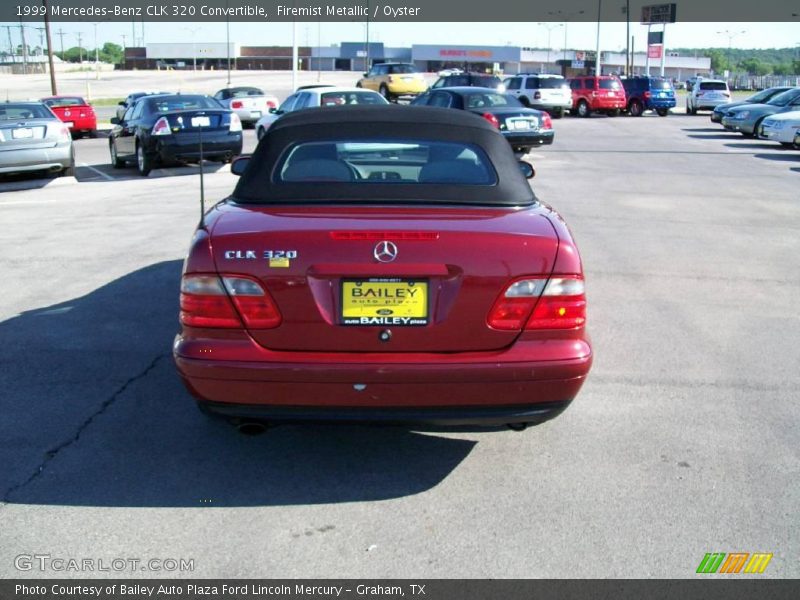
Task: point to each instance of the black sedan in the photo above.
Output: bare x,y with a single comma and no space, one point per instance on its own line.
162,130
523,127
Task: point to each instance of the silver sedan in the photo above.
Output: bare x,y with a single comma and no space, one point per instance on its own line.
249,103
32,138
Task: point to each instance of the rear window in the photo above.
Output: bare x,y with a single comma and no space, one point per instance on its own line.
551,83
660,84
386,162
343,98
609,84
12,112
170,103
402,69
713,85
244,92
71,101
488,100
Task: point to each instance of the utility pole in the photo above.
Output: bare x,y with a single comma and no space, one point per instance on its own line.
11,52
96,54
53,87
628,61
597,70
24,48
60,34
41,39
80,48
124,45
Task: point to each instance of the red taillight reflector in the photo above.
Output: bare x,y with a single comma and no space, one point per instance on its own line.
161,127
492,119
547,122
271,104
406,236
647,94
237,104
211,301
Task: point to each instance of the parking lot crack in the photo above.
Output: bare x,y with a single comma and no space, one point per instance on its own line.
53,452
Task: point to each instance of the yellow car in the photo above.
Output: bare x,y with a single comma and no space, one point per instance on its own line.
394,81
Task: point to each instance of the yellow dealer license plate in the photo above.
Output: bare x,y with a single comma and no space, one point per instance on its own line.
396,302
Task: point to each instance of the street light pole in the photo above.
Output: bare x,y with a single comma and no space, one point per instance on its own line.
730,35
96,54
53,88
550,27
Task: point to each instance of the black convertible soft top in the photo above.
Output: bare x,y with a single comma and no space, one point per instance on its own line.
382,123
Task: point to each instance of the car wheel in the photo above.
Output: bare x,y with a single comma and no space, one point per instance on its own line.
787,144
558,113
92,133
635,109
70,170
116,162
144,164
662,112
756,127
384,91
614,113
583,109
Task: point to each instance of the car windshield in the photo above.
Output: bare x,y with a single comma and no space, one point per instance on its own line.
12,112
609,84
713,85
395,69
71,101
343,98
784,98
488,100
245,91
171,103
386,162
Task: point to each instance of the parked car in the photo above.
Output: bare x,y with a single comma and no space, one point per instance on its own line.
161,130
131,98
75,112
385,264
450,71
314,97
707,94
747,119
542,91
797,140
757,98
394,81
470,80
249,103
523,127
33,138
648,93
781,128
597,94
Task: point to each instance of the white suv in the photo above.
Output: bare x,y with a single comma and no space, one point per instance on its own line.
707,94
542,91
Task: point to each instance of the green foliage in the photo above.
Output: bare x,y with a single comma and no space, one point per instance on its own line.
780,61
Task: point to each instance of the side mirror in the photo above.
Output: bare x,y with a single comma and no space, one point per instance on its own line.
121,103
114,120
239,164
527,169
272,110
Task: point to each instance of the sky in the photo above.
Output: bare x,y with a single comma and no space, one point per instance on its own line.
579,35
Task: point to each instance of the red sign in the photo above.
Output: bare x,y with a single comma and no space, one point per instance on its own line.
654,51
467,53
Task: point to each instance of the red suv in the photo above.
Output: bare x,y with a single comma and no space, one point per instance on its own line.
597,94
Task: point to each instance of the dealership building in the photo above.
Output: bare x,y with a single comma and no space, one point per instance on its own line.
355,56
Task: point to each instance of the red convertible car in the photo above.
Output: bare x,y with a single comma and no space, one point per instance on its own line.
383,263
75,112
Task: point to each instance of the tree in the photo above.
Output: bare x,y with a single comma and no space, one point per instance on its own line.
753,66
111,53
719,62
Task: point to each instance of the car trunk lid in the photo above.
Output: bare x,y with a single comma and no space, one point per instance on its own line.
323,269
27,135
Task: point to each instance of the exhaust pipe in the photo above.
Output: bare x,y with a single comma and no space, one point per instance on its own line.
251,428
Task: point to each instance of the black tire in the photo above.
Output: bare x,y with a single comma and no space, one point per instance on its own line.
116,161
525,101
615,113
756,127
583,109
92,133
662,112
70,170
144,162
384,91
558,113
635,108
787,144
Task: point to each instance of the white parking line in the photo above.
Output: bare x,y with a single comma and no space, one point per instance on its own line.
99,172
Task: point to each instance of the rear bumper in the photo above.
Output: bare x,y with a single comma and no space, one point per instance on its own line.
490,388
215,145
658,104
529,140
36,159
249,116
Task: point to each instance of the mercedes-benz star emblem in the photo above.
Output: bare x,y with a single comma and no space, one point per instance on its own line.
385,252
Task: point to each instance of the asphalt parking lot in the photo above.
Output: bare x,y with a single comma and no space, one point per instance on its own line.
682,442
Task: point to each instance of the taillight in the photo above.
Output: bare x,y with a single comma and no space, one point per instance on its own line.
271,104
237,104
558,303
537,95
547,122
647,95
492,119
226,302
161,127
64,134
236,123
